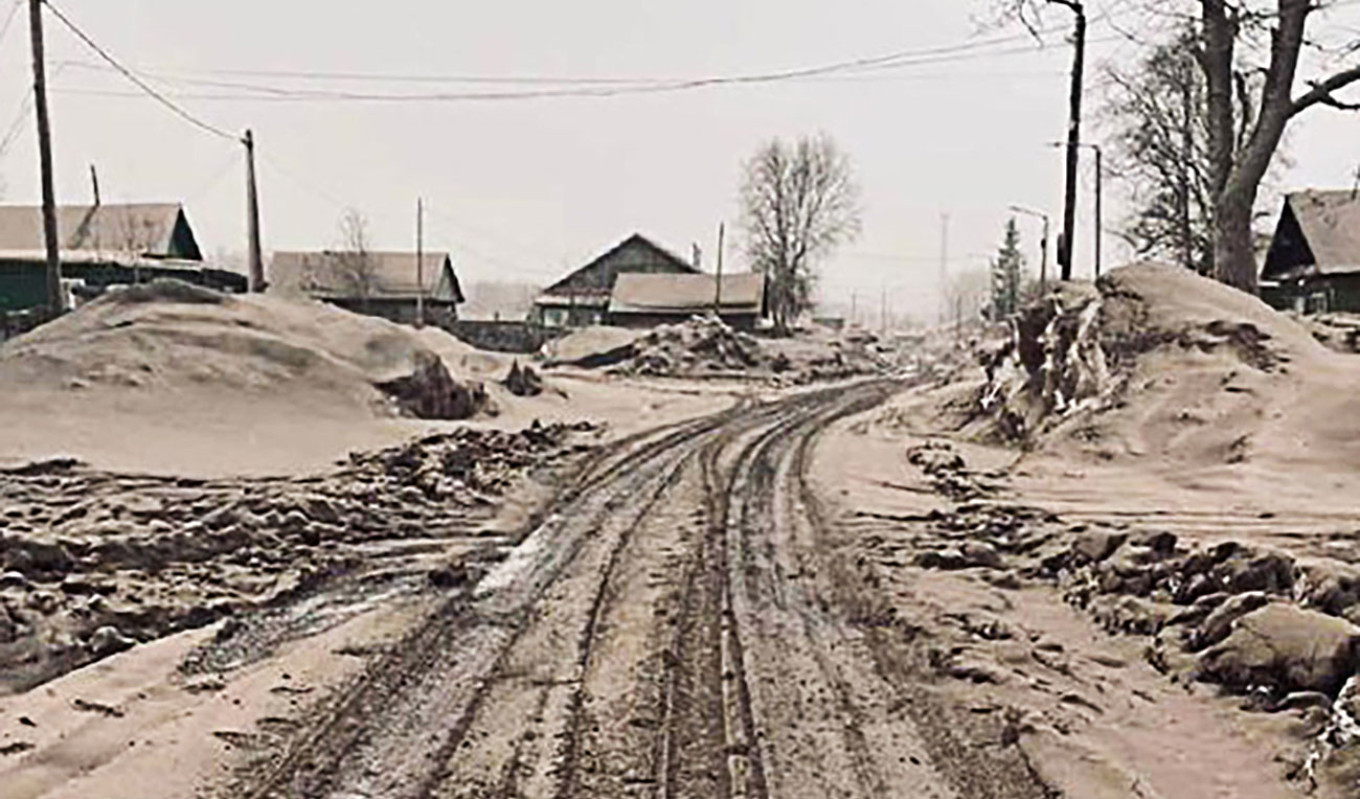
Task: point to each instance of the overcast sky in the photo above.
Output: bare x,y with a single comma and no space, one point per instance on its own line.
528,189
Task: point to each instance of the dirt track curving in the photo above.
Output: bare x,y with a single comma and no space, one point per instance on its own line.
676,627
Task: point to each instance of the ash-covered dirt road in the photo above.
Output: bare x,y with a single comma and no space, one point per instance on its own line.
676,627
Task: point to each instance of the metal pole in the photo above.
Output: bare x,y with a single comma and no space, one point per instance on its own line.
420,262
94,181
49,194
1066,248
254,253
717,293
1043,259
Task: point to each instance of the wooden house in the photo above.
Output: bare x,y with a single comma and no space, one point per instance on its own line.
583,297
1313,263
101,246
386,284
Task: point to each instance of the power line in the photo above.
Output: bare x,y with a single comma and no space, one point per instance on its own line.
275,93
130,75
556,80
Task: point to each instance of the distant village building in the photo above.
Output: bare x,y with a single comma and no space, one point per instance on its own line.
1313,263
101,246
374,283
648,300
583,297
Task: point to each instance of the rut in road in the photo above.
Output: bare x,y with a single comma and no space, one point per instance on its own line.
669,631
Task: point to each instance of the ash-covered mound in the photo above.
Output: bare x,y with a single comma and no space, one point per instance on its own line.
167,335
702,344
705,346
1156,360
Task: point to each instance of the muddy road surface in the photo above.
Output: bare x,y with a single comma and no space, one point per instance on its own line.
676,627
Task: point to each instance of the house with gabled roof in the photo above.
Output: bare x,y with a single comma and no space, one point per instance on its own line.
99,246
1313,263
386,284
582,298
145,230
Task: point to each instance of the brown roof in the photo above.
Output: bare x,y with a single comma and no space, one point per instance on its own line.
335,275
662,293
139,228
1330,222
637,240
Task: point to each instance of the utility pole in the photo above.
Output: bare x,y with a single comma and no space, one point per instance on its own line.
94,181
420,263
717,291
256,257
1073,137
1043,245
49,194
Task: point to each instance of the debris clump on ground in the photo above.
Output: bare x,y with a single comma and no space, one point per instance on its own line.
94,563
706,346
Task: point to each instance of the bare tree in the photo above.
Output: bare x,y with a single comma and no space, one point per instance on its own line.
1224,45
137,236
1155,113
799,202
355,264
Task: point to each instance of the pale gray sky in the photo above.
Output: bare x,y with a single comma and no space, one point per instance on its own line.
531,188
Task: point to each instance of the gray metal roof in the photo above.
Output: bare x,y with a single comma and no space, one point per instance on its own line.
664,293
333,274
137,228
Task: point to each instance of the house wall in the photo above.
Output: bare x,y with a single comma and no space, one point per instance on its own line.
1342,292
23,284
1315,295
556,316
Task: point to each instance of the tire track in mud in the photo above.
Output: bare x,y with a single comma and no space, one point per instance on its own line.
662,633
315,765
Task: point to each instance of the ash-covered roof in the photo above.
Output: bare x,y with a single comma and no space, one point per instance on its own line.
1318,233
330,274
637,253
157,230
659,293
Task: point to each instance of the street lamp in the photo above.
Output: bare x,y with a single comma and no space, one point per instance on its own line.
1043,245
1100,220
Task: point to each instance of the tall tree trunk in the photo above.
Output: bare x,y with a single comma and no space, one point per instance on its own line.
1234,256
1234,253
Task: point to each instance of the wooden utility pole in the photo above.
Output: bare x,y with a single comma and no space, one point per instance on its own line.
94,182
420,262
49,194
254,253
717,292
1073,140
